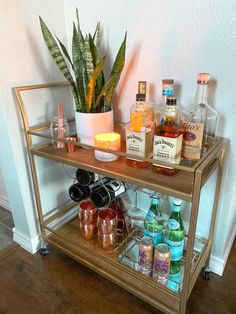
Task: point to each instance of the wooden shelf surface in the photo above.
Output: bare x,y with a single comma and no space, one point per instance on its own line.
68,240
179,185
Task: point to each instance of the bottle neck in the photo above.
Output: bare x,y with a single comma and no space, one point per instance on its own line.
176,208
201,95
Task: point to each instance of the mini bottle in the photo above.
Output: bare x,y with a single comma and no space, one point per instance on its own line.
167,91
139,134
201,122
167,142
153,223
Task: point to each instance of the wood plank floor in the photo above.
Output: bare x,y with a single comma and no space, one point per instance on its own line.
58,284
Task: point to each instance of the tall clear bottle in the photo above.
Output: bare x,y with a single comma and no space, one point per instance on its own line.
200,116
175,240
139,133
153,223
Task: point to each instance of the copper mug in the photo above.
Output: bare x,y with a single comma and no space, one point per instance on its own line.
87,212
107,241
88,232
107,221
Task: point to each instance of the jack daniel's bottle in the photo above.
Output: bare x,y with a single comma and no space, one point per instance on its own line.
168,138
139,134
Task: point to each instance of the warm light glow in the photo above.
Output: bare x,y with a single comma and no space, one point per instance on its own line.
107,141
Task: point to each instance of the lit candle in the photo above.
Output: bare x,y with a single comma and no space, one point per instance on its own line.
108,141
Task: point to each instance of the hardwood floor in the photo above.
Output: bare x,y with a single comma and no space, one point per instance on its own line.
58,284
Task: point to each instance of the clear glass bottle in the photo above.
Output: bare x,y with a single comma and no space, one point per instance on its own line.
167,91
168,138
175,239
139,134
153,223
55,132
202,112
141,112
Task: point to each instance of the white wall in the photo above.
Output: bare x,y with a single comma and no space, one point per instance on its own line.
176,39
3,192
24,60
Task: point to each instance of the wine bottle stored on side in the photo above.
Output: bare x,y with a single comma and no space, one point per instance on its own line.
103,195
86,178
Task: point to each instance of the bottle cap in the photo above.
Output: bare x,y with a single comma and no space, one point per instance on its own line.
168,81
203,78
177,202
171,100
140,97
142,87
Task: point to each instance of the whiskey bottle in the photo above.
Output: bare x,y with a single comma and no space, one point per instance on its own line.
139,133
201,122
167,142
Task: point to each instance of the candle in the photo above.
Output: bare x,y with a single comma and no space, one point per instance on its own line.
108,141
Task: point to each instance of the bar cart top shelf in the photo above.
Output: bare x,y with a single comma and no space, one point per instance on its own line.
180,185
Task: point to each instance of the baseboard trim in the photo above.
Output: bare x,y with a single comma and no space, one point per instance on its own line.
4,202
30,245
217,265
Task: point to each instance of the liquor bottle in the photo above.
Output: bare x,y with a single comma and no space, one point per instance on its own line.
86,178
167,91
167,143
153,223
201,122
139,133
141,112
104,194
175,240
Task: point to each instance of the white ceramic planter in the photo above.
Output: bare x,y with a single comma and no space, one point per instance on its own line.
90,124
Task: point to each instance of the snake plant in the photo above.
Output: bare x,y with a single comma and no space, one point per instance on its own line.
90,91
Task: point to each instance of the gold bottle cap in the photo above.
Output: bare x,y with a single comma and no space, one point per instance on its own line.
142,87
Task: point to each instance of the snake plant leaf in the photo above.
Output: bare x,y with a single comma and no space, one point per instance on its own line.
97,36
63,48
59,59
79,68
92,82
81,37
94,51
108,89
88,58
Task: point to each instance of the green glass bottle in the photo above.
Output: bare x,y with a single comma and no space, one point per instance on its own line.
153,223
175,240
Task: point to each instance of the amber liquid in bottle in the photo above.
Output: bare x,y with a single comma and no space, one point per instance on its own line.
140,120
169,128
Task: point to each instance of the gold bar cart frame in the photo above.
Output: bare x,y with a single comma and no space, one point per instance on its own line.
192,180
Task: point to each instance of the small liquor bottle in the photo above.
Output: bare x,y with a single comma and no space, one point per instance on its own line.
200,116
139,133
167,91
168,138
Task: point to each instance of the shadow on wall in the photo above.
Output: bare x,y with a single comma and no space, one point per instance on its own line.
128,69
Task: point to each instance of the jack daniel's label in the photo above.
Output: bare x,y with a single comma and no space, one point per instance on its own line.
192,141
139,143
167,149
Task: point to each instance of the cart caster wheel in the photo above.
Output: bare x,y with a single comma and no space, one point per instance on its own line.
44,251
206,273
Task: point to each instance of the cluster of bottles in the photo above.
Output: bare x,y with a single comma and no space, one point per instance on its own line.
101,190
165,132
163,249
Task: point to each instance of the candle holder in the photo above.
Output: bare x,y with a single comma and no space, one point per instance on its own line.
108,141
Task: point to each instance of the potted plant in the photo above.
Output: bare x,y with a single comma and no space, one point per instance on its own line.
91,92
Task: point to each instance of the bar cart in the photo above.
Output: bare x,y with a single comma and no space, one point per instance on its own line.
62,232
